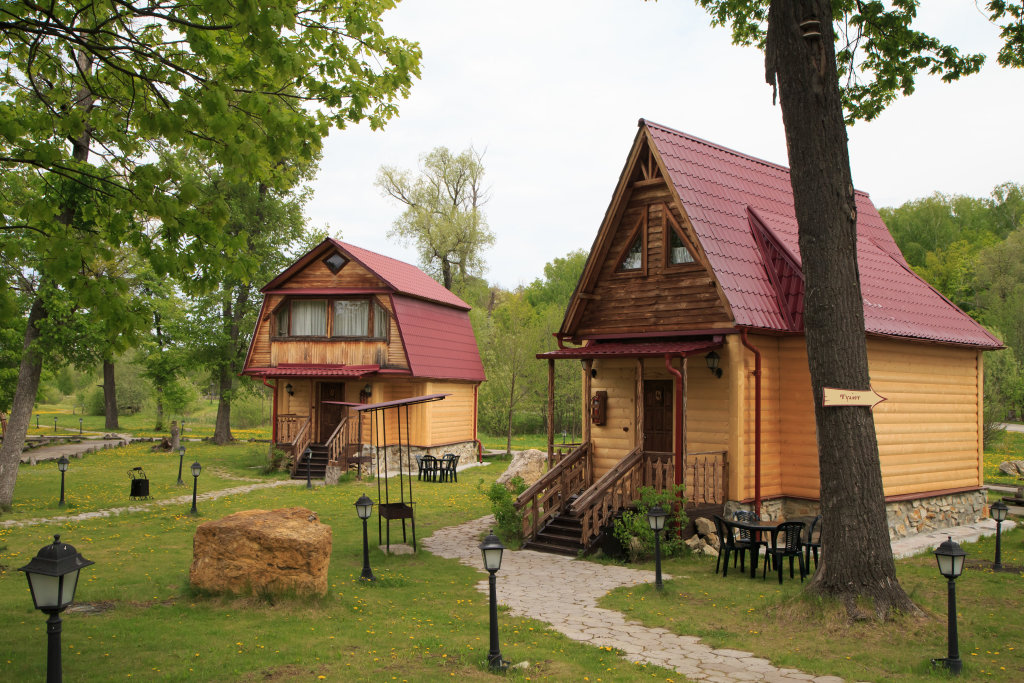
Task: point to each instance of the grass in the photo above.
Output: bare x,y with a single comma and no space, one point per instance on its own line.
423,620
815,636
1007,446
519,441
199,424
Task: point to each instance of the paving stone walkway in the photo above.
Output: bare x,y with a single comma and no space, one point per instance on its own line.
563,592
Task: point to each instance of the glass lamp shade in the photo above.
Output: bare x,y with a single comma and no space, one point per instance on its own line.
656,518
53,575
712,360
196,469
63,463
364,506
950,557
181,451
491,549
998,511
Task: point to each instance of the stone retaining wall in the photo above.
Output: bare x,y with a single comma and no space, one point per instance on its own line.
905,517
466,451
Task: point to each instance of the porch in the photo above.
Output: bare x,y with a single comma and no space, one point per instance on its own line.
341,449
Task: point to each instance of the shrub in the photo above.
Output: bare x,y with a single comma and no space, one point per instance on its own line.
634,533
508,520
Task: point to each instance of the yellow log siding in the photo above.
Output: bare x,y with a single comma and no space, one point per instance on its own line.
261,344
617,436
927,430
928,434
298,404
329,353
450,420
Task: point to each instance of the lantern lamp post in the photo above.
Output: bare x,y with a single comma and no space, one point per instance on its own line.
492,549
37,420
998,512
54,423
196,469
62,465
656,520
950,557
52,578
79,426
181,458
364,506
309,458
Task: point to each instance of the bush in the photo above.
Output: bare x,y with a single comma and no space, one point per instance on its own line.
273,459
247,411
634,533
508,520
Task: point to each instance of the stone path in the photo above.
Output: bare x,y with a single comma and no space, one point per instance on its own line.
563,592
177,500
73,450
968,533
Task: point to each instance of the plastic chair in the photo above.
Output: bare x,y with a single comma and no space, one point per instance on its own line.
748,537
728,544
429,468
812,543
790,546
448,464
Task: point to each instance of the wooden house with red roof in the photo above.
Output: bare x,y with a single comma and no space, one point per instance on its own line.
697,260
344,326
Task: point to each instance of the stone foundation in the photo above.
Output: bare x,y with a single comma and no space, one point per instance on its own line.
905,517
466,450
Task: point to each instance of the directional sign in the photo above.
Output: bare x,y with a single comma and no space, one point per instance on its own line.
850,397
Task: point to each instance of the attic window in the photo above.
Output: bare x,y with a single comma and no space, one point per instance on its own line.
678,253
335,262
633,259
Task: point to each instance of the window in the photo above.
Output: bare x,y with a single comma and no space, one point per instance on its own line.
356,318
335,262
633,259
308,319
678,253
351,318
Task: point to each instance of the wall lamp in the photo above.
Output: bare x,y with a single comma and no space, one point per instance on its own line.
712,360
290,389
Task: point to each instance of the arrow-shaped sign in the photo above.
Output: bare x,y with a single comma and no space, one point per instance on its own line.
850,397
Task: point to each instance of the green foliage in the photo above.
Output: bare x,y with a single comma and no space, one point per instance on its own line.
633,531
250,410
443,216
508,521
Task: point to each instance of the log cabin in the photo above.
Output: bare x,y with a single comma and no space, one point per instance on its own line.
697,259
344,326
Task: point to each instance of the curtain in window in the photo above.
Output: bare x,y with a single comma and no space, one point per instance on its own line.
309,318
380,321
351,318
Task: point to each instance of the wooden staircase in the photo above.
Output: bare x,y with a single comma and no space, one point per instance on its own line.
562,535
316,463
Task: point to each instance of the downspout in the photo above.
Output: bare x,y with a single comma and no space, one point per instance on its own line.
757,420
273,427
476,410
679,418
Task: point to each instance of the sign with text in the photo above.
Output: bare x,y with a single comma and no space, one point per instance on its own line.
849,397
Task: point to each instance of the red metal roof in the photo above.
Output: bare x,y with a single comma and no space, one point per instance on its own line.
636,349
287,370
439,341
717,187
403,277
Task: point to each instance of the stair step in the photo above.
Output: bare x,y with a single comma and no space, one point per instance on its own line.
543,547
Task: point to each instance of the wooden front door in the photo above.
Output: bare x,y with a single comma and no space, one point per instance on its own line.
329,415
658,415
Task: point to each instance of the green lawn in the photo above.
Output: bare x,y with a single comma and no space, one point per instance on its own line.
1008,446
199,424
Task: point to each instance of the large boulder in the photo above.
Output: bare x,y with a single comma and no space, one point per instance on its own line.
259,551
1014,468
528,464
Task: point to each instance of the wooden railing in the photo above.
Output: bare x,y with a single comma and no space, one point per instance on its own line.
549,496
288,427
300,443
618,488
560,450
337,442
705,477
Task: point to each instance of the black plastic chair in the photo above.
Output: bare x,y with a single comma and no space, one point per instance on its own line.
812,543
727,544
448,464
786,542
429,468
753,541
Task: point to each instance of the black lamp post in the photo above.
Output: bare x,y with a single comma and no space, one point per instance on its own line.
309,457
37,420
54,423
196,469
364,506
79,426
52,579
181,458
950,557
62,465
656,520
492,549
998,512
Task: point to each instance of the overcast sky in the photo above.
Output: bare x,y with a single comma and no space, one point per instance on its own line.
551,92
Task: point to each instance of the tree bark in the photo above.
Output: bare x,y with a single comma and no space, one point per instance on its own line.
109,396
21,409
511,408
857,557
232,312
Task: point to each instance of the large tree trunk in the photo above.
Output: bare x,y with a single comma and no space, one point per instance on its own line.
222,432
109,396
21,410
857,558
232,313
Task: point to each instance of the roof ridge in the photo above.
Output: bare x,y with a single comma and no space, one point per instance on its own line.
723,148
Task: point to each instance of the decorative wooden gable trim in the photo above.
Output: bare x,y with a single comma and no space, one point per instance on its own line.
783,271
663,293
327,267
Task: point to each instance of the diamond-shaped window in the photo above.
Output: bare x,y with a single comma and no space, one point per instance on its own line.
335,262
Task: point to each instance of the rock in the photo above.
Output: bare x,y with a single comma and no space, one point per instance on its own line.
713,541
1008,467
528,464
256,551
693,542
705,527
708,550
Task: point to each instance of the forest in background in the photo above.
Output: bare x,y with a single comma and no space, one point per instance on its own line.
970,249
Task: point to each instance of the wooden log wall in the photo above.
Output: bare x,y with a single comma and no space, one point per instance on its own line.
657,297
616,437
450,420
318,275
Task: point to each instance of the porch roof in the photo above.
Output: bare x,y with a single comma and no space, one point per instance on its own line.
645,349
288,370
